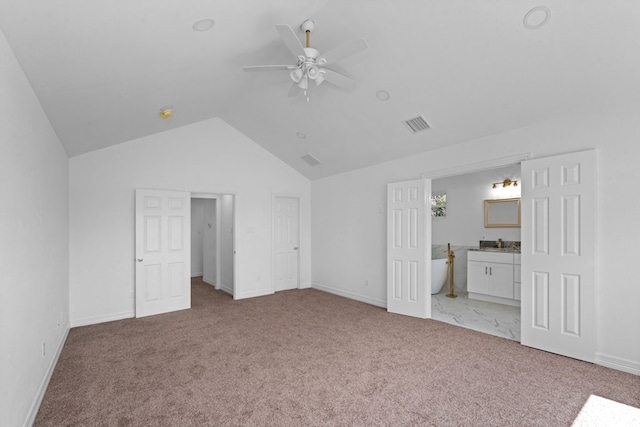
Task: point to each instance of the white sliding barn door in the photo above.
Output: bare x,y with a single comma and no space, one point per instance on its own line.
163,251
558,254
408,231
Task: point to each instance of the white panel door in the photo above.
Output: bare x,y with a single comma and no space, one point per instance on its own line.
286,236
558,254
163,250
408,230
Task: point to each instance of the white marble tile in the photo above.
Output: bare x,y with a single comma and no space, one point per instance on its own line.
495,319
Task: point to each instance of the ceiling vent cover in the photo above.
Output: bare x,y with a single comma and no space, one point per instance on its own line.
417,124
311,160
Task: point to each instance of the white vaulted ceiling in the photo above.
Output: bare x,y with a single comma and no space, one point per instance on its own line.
104,70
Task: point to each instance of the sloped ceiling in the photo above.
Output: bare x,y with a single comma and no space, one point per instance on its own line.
104,70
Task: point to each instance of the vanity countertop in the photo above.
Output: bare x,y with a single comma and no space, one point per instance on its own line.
500,250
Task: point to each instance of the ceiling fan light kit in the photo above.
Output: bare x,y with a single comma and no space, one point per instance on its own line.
311,64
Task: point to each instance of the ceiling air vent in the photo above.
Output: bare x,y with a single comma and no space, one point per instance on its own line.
312,161
417,124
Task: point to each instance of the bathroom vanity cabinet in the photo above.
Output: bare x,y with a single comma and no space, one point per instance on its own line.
491,276
517,274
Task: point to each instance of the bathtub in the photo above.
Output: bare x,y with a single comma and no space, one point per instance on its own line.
438,274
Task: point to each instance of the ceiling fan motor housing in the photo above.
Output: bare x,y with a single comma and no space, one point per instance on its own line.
308,25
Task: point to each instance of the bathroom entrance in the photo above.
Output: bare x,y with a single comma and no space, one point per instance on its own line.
558,253
460,225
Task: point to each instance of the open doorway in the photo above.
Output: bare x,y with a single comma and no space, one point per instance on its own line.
212,240
457,218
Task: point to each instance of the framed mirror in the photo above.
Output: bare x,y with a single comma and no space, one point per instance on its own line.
500,213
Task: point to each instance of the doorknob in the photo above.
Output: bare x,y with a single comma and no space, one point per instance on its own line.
295,248
139,259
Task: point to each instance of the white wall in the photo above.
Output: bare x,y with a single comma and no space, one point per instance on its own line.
348,211
206,157
34,272
197,237
464,223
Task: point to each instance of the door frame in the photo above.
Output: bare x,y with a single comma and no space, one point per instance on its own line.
216,195
274,196
466,168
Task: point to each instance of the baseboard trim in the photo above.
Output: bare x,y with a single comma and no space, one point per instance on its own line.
252,294
102,319
209,282
618,364
197,274
350,295
35,406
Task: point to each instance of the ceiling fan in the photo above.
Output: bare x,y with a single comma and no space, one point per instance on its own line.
311,64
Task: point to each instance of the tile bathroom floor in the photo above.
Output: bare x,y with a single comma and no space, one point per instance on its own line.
495,319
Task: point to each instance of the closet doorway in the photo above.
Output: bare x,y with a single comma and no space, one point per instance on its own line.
213,240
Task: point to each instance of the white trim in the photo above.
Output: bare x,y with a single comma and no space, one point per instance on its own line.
351,295
219,245
618,363
253,294
476,167
197,274
37,401
226,289
209,282
105,318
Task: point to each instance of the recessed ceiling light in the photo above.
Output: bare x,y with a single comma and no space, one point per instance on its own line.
383,95
536,17
203,25
301,135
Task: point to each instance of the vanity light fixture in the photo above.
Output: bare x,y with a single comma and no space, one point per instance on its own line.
507,182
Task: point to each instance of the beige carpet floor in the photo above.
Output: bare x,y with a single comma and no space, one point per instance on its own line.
304,357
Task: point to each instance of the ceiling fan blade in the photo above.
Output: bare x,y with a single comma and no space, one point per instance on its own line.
269,67
294,90
290,39
338,79
343,51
